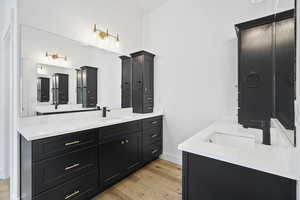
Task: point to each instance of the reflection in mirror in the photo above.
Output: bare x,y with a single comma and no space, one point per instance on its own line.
43,89
89,77
267,73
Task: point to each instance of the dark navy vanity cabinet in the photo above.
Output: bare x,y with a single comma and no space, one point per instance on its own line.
143,82
209,179
81,165
89,86
266,70
126,81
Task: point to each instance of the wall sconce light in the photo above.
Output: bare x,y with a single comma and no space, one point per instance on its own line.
56,56
105,34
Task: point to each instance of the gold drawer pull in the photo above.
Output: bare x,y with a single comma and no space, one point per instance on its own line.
72,195
72,143
72,166
154,122
154,151
154,136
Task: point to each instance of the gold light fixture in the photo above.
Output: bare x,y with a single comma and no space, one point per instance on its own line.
105,34
56,56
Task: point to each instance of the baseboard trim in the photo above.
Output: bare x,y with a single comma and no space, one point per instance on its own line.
3,175
171,158
15,197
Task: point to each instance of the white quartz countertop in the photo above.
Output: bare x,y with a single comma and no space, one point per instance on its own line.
40,127
279,159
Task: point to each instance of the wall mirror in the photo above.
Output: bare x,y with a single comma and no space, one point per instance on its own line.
267,71
82,78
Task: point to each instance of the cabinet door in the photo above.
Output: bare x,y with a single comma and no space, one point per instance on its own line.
256,73
133,151
137,79
112,159
89,83
285,74
148,73
218,180
63,89
45,89
126,83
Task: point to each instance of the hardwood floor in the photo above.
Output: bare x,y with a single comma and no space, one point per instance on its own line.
160,180
4,189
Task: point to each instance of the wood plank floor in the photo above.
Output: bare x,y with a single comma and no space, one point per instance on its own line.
4,189
160,180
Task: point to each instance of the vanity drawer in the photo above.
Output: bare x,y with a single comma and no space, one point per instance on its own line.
58,145
148,108
120,129
53,172
152,151
154,122
148,99
81,188
152,135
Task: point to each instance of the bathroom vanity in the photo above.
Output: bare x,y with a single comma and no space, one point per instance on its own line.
226,161
252,156
78,155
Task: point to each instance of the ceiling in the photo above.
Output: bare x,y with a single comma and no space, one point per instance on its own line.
149,5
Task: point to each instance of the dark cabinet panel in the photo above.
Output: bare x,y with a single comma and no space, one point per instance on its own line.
133,151
79,87
90,86
256,73
148,74
214,180
60,88
81,188
155,122
43,89
137,80
143,82
55,146
285,71
152,138
120,130
266,71
126,82
113,160
152,151
119,156
52,172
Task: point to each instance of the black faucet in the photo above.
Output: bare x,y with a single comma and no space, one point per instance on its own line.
266,126
56,105
104,111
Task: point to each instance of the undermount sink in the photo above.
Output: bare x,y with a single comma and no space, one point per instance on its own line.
110,118
231,140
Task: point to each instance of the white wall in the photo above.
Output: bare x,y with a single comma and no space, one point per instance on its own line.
2,3
196,63
5,134
73,19
10,17
36,42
